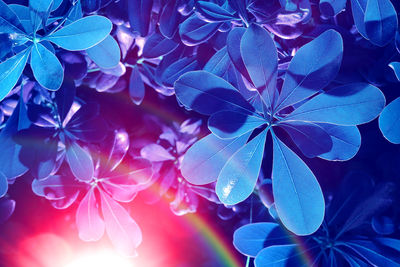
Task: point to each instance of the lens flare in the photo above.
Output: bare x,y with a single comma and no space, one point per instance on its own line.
105,258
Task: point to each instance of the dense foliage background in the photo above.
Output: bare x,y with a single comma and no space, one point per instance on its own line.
200,133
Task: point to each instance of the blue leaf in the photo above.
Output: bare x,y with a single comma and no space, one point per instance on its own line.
82,34
350,104
312,68
330,8
261,60
64,97
88,221
9,22
80,162
23,15
219,63
194,31
233,46
230,124
157,45
389,121
298,196
346,141
176,69
46,67
358,8
10,71
105,54
369,253
3,185
170,18
380,21
383,225
279,256
310,138
250,239
212,12
124,233
136,86
203,162
139,15
239,175
211,95
90,6
396,69
39,12
389,242
10,164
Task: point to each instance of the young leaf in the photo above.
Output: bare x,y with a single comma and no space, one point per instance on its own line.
279,256
157,45
46,67
203,162
136,86
350,104
81,34
310,138
231,124
3,185
298,196
80,162
10,71
380,21
194,31
88,221
239,175
139,15
313,67
9,22
105,54
250,239
124,233
389,121
346,141
210,95
261,60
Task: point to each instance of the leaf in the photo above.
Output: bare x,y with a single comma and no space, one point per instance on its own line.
3,185
136,86
219,63
311,139
116,147
395,66
57,187
347,105
330,8
358,8
23,15
274,256
46,67
170,18
10,71
380,21
81,34
231,124
177,68
389,121
298,197
124,233
105,54
383,225
204,161
211,95
7,207
88,221
239,175
39,12
10,164
9,22
346,141
194,31
212,12
233,47
64,98
155,152
372,256
260,58
140,15
250,239
312,68
80,162
157,45
90,6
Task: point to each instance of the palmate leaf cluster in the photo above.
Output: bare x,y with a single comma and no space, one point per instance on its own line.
262,88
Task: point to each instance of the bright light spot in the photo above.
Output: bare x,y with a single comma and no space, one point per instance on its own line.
101,259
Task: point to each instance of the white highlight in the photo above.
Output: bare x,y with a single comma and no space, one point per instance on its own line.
105,258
